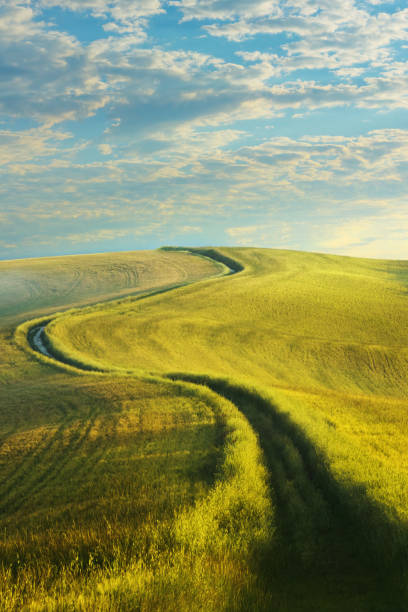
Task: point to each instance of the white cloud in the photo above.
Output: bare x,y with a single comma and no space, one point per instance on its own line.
29,145
226,9
380,156
7,245
189,229
126,15
244,231
213,167
105,149
96,236
178,120
43,72
335,35
51,76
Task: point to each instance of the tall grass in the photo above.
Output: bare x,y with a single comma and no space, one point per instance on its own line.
191,498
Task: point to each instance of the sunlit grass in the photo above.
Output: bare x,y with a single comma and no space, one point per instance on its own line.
278,483
129,482
29,287
325,336
119,492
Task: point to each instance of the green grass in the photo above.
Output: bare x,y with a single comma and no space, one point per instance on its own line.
102,478
117,483
323,339
244,438
31,287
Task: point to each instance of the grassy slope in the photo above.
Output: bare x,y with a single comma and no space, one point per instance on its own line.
325,337
298,320
98,474
30,287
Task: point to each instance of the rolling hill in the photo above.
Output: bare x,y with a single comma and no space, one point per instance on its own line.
247,433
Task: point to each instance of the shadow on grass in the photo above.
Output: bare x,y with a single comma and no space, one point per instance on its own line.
232,264
59,508
334,549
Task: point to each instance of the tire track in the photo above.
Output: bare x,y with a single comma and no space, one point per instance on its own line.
306,514
321,538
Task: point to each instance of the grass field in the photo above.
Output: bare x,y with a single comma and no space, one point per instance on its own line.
96,473
243,446
30,287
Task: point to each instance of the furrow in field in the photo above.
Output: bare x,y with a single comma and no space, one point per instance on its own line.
75,283
45,463
35,456
57,459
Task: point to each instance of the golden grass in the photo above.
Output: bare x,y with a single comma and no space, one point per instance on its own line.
125,482
324,338
298,499
31,287
102,479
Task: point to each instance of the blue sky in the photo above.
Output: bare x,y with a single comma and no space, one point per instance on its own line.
130,124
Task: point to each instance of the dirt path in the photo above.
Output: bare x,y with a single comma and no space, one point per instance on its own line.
37,342
36,334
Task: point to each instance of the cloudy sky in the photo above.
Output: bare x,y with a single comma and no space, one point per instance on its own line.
129,124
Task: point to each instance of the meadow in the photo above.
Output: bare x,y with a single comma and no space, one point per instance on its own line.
238,443
30,287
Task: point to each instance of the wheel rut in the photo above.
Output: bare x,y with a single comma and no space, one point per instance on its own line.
319,537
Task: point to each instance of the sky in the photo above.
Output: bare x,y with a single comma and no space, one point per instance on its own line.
132,124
